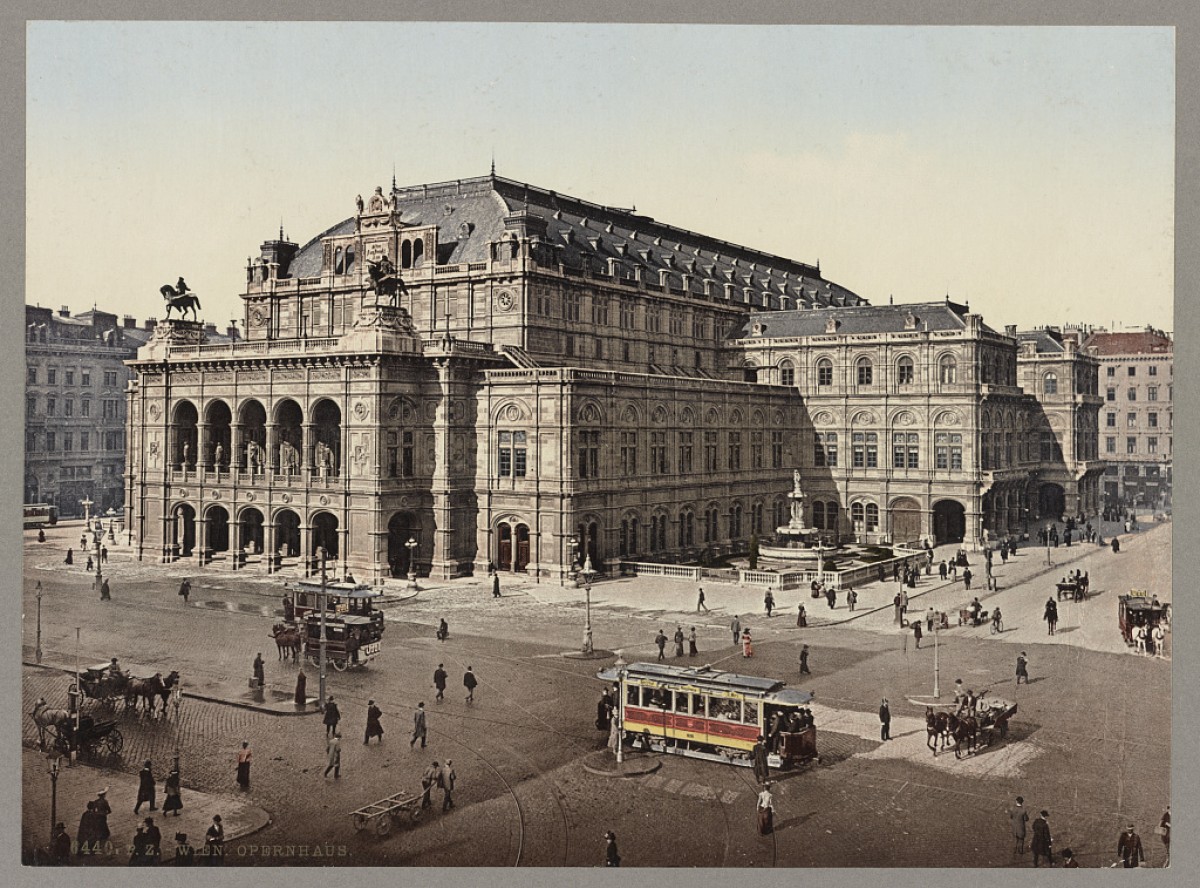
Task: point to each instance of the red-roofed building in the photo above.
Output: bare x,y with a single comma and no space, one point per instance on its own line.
1136,376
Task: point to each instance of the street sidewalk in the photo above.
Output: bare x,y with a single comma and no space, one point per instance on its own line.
79,784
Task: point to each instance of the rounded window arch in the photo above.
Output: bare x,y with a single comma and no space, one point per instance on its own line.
824,372
864,371
787,372
948,370
1050,384
905,371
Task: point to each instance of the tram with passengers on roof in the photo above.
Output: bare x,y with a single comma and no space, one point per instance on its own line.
703,712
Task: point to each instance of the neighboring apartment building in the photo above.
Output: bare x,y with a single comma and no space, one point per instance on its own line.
75,406
1136,379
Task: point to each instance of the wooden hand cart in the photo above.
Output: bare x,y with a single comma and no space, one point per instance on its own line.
382,813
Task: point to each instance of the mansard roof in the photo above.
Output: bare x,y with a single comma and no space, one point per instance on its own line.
471,214
1145,342
1045,342
863,319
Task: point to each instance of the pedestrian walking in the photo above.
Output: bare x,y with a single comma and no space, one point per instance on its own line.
90,565
929,618
332,716
104,554
758,759
851,599
185,854
1022,668
244,757
105,591
661,641
1129,848
153,836
301,696
896,609
942,570
333,756
103,809
967,578
1042,844
747,645
885,721
831,597
495,585
470,683
185,589
260,678
611,856
418,726
145,793
802,617
446,782
766,811
137,847
1050,616
769,602
172,796
804,660
692,643
86,836
1018,819
214,842
604,708
700,605
374,726
70,559
678,641
1116,547
41,535
439,682
735,626
428,781
60,845
1164,832
917,632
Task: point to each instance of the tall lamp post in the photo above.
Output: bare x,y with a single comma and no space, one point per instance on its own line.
37,651
321,553
1048,561
54,794
588,575
572,555
411,545
937,628
99,574
622,672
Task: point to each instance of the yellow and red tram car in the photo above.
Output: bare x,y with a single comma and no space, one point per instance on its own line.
706,713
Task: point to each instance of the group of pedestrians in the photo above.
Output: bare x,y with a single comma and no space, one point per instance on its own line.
1130,851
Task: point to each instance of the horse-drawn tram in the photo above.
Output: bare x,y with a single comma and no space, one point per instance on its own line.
705,713
1139,608
350,639
357,599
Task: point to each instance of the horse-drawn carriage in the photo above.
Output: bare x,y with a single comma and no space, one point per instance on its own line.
1139,608
106,684
91,737
973,727
1074,587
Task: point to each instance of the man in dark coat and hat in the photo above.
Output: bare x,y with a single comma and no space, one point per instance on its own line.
260,678
60,845
332,716
88,830
374,727
145,788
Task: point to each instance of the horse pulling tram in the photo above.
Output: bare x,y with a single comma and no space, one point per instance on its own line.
704,713
353,622
350,640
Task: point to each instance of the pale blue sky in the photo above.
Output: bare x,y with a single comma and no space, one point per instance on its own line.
1030,170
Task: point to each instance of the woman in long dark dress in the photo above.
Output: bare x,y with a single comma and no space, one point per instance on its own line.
173,800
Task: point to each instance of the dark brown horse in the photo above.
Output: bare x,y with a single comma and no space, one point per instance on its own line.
146,689
937,729
964,730
287,640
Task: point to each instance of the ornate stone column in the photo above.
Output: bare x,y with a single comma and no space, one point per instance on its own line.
306,447
236,556
237,445
270,554
272,455
202,443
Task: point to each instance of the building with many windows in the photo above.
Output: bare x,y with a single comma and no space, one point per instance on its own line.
75,406
1136,381
482,372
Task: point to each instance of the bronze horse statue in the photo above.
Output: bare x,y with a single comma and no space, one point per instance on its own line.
181,298
385,279
146,689
288,640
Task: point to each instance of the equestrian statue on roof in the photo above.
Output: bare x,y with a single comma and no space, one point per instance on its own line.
180,297
386,280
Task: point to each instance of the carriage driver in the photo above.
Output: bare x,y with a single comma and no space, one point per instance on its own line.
114,668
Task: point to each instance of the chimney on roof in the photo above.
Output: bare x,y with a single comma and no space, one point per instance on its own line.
129,322
210,328
232,331
64,312
832,324
1010,330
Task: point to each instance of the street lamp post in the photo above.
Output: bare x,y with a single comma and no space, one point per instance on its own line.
622,671
588,575
54,794
572,552
322,554
937,626
411,545
1048,561
99,574
37,651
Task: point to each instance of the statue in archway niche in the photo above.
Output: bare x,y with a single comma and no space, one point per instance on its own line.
218,456
323,455
254,457
187,450
288,458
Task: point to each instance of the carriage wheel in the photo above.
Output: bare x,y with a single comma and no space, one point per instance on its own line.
383,824
415,813
361,821
341,665
114,742
60,744
313,660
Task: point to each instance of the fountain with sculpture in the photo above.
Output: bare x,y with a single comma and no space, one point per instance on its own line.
800,543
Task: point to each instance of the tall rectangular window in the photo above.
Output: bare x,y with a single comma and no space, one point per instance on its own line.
30,406
629,463
85,408
776,450
1110,445
710,451
68,441
52,376
658,452
1152,444
70,377
1132,394
1151,393
31,375
519,455
393,461
685,452
1131,420
735,451
1152,419
84,441
1110,394
1152,370
948,451
1110,420
51,406
756,450
68,407
51,441
1131,445
571,306
905,454
600,311
818,450
409,460
85,377
505,454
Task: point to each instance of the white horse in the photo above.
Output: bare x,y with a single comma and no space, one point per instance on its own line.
45,717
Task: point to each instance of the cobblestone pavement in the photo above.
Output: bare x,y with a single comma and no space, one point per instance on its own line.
1089,742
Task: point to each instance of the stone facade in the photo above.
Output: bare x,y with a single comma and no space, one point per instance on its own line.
540,354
